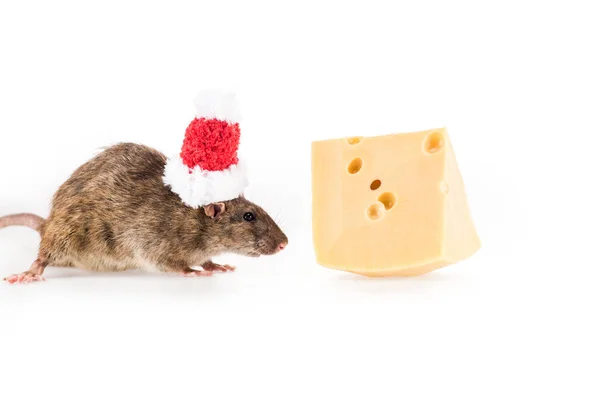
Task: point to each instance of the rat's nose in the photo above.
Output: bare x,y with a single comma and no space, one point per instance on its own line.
282,246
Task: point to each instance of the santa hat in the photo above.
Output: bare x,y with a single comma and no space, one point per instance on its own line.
207,170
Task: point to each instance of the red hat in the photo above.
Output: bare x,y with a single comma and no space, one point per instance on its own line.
207,170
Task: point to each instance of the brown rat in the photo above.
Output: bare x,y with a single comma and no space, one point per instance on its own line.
115,213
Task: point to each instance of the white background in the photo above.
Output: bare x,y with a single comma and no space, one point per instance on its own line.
515,82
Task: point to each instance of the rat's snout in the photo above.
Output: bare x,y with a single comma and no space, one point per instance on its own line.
270,247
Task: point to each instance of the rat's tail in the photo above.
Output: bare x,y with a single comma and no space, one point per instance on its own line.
30,220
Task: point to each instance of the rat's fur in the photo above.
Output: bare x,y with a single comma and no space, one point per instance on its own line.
115,213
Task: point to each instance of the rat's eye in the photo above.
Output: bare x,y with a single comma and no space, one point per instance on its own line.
249,217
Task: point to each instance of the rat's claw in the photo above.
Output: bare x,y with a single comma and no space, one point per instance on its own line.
12,279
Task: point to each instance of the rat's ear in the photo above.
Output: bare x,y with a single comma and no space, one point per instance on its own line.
214,210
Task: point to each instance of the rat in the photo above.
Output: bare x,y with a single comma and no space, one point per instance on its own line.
114,213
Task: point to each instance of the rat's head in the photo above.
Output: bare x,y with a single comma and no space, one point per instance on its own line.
245,228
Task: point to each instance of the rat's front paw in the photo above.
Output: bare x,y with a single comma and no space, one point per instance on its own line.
211,266
194,273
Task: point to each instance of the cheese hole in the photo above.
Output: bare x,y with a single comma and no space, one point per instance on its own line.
433,143
375,211
355,165
387,199
375,184
354,140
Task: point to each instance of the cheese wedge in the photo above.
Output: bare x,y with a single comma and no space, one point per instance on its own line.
390,205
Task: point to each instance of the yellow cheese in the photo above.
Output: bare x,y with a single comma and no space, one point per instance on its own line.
390,205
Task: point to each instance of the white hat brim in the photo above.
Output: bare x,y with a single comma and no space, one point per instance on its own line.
197,187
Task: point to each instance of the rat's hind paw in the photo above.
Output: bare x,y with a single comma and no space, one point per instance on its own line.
25,277
211,266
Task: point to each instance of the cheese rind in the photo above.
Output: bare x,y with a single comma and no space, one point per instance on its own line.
390,205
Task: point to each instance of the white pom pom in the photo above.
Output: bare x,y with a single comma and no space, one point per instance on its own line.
217,104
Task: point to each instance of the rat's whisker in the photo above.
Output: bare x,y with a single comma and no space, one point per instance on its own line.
277,217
